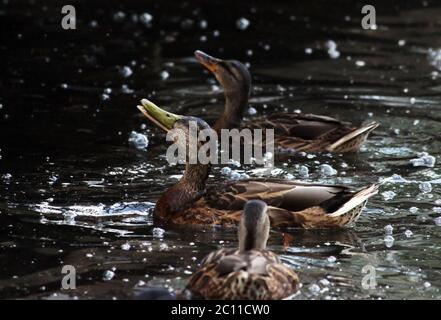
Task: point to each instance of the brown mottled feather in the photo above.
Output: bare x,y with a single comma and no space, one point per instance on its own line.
229,274
290,204
311,133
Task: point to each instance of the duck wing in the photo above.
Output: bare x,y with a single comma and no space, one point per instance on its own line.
293,203
312,133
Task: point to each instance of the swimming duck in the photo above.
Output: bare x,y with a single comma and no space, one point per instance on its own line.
248,273
293,131
290,203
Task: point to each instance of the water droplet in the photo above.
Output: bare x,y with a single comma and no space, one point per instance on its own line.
388,195
146,18
108,275
125,246
389,241
413,209
327,170
158,232
119,16
139,140
303,171
164,75
314,288
332,259
425,187
252,111
126,71
388,229
242,23
360,63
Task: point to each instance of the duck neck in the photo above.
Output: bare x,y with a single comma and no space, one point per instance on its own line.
251,242
180,196
235,103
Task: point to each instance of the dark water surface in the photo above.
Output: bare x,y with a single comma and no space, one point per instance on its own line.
74,191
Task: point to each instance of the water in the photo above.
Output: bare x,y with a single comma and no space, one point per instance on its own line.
75,191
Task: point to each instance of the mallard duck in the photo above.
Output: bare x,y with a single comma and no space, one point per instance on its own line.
291,203
248,273
293,131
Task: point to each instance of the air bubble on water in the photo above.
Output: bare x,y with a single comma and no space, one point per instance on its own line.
437,221
332,259
303,171
139,140
434,56
389,241
332,49
105,97
413,209
242,23
388,195
146,18
324,282
119,16
234,175
234,163
412,100
314,288
163,247
408,233
427,284
108,275
226,170
360,63
164,75
289,176
389,229
126,71
125,89
436,209
308,50
423,160
252,111
125,246
140,283
425,187
203,24
64,85
327,170
158,232
401,42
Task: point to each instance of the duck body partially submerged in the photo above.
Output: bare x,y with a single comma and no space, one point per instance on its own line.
292,131
250,272
290,204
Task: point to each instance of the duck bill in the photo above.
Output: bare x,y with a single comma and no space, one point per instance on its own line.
163,119
209,62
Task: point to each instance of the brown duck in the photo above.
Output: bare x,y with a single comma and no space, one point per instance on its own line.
248,273
294,131
290,203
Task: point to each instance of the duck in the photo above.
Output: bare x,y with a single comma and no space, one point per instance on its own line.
292,131
249,272
192,201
